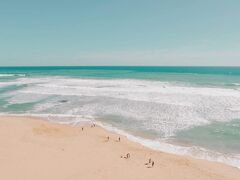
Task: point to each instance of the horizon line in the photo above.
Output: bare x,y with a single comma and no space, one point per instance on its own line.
116,66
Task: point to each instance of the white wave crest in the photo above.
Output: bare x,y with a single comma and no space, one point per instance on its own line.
11,75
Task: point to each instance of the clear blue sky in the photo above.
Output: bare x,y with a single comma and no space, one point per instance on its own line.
120,32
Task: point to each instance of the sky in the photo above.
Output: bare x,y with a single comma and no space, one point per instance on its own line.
123,32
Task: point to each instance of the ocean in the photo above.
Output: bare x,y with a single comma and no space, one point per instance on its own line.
191,111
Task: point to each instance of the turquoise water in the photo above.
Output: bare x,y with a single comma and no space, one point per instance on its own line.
223,136
186,110
227,76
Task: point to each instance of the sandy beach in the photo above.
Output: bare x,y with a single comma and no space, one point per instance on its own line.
34,149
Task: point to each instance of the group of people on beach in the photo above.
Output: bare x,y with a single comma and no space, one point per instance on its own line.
149,164
127,156
93,125
150,161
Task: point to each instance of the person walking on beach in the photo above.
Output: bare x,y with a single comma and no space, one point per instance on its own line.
152,163
82,128
119,139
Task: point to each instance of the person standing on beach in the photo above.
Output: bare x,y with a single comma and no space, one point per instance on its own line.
119,139
150,160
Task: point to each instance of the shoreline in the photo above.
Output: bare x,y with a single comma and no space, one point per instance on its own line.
34,148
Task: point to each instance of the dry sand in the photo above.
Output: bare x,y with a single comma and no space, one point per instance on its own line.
34,149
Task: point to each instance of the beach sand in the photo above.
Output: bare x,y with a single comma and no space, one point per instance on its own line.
34,149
